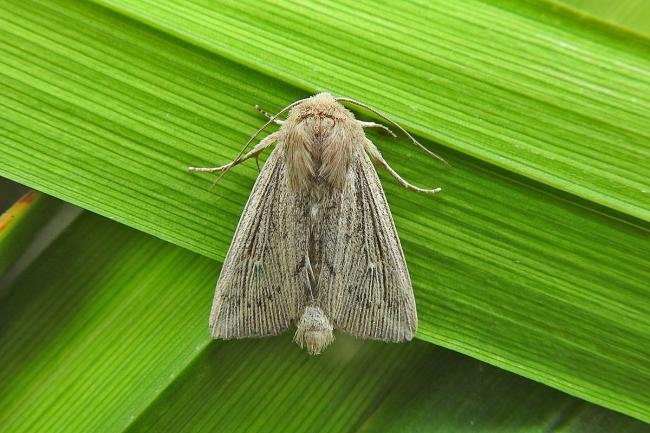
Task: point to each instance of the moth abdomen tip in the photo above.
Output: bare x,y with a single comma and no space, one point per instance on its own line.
315,331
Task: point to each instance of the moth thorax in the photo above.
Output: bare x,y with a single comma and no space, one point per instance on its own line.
318,151
314,331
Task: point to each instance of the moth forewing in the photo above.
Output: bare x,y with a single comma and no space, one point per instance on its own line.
368,293
316,244
257,292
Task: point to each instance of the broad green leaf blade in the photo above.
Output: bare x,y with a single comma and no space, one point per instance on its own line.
97,327
447,393
267,386
104,333
542,94
506,270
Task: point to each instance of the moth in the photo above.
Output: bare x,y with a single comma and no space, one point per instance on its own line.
316,244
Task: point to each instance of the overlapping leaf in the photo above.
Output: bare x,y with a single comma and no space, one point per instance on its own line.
103,333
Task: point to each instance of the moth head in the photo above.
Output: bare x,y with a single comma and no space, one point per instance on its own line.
320,106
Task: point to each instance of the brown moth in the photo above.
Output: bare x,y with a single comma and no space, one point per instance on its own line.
316,244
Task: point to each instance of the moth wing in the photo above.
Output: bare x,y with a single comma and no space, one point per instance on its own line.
366,288
259,291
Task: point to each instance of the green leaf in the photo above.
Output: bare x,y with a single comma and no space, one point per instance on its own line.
104,112
267,386
103,333
534,92
97,326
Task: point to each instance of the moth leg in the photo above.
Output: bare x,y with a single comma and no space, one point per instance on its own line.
253,153
377,125
376,155
268,115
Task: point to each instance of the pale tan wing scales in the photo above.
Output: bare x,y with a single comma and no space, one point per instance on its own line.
260,290
365,287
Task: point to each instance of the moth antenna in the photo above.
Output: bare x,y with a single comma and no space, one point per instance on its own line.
392,122
266,114
254,136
